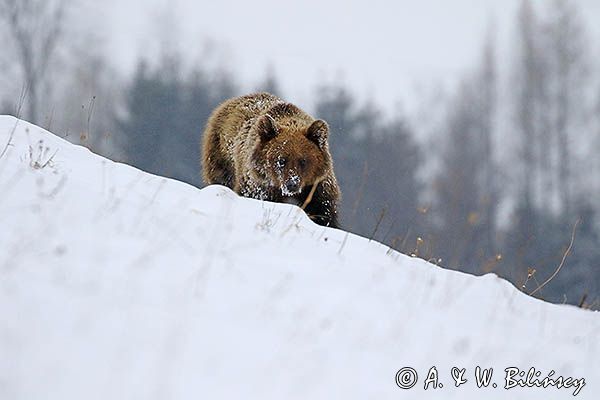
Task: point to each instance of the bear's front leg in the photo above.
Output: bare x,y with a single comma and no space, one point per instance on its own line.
322,208
251,189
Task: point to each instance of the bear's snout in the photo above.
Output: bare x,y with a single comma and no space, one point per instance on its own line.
292,185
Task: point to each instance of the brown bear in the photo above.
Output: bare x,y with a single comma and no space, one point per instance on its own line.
267,149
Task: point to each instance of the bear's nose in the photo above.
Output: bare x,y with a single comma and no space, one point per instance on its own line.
292,186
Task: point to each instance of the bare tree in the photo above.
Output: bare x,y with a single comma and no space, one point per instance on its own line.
488,83
567,46
466,188
595,148
35,27
88,97
526,70
270,83
457,186
546,185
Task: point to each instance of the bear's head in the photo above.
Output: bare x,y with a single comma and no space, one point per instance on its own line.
292,156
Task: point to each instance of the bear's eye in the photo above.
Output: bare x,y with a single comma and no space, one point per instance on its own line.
280,163
302,163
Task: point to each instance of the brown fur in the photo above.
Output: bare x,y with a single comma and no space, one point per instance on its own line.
264,148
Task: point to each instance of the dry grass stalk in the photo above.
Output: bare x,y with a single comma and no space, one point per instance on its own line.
311,193
562,261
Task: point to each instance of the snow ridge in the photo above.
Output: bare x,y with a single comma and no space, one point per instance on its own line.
118,284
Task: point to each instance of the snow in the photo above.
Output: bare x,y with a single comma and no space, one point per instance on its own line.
117,284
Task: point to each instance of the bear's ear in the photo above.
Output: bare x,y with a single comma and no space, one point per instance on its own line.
266,128
317,132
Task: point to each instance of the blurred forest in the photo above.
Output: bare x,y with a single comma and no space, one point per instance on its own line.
500,175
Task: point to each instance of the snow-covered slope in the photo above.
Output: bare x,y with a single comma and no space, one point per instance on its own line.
116,284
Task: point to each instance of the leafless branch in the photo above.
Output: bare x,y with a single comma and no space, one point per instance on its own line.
311,193
562,261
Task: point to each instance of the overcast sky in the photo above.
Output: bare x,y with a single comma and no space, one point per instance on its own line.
385,48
